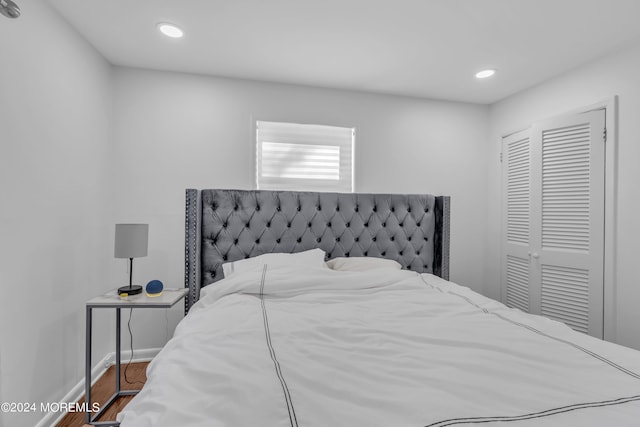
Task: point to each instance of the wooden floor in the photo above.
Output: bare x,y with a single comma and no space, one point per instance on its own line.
104,388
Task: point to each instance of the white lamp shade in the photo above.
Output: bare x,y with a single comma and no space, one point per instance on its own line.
131,240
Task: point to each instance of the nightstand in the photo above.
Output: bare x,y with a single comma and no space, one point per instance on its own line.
167,299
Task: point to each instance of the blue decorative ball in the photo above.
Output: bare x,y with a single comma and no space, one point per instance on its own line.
154,288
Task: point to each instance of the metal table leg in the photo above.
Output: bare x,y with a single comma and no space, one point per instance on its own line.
88,418
87,366
118,360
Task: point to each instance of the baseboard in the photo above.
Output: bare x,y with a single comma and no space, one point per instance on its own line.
77,392
142,355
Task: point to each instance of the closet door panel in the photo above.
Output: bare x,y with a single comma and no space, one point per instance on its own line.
571,222
516,211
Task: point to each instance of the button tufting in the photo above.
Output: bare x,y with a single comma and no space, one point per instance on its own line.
409,238
319,207
235,242
366,224
246,256
318,240
393,209
257,241
426,266
400,253
393,238
347,254
278,208
348,224
337,239
383,253
418,224
357,239
268,224
277,240
224,257
357,208
247,225
288,225
309,225
235,208
300,208
224,225
329,224
257,207
299,240
337,208
366,253
384,224
374,239
375,209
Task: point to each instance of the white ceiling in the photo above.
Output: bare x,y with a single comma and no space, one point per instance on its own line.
423,48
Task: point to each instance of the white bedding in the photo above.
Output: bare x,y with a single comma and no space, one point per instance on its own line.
382,348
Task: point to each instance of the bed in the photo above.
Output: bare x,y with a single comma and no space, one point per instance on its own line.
321,309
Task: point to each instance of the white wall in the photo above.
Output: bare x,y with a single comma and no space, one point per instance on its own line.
616,74
55,232
176,131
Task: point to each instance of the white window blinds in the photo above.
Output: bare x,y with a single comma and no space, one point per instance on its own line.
299,157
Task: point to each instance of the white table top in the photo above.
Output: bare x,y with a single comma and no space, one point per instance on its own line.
111,299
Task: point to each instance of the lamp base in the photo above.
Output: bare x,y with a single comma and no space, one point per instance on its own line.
131,290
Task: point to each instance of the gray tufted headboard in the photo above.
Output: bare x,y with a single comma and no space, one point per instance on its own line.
228,225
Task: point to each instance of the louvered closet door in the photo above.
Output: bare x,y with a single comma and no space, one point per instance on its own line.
516,158
568,250
553,250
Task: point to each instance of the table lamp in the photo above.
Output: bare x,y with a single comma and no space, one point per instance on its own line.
131,242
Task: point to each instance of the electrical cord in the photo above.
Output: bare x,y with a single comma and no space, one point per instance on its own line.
166,338
131,346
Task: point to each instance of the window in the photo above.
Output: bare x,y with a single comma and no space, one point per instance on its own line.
299,157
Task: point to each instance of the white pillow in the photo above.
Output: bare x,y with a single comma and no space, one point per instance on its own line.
362,264
311,258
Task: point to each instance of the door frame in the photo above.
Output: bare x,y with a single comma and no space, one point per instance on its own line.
610,105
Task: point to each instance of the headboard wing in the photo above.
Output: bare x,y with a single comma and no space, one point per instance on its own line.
228,225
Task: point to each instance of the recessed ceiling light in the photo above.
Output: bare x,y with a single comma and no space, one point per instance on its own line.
170,30
485,73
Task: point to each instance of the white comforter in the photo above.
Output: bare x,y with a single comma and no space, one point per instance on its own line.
383,348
